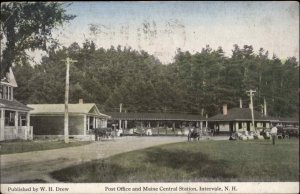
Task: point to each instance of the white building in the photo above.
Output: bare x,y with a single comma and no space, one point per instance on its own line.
48,120
14,116
239,119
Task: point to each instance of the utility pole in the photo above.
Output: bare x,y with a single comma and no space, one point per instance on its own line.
125,122
120,121
66,119
265,107
251,93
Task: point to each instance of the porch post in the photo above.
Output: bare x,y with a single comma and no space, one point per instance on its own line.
94,122
201,125
84,124
120,124
88,123
125,123
105,123
2,124
206,122
16,129
237,126
25,130
28,128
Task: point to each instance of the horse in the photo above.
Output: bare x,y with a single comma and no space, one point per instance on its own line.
194,135
102,133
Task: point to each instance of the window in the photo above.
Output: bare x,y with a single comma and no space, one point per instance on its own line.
23,120
6,92
9,118
11,93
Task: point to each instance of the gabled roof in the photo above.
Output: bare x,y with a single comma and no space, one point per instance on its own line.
86,108
240,114
14,105
9,79
154,116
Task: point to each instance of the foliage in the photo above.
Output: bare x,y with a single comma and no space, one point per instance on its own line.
28,26
194,83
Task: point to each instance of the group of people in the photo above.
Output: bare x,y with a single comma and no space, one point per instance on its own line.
266,134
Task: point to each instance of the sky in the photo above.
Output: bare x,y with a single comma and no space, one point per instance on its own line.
160,28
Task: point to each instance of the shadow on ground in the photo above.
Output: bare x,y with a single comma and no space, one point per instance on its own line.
198,164
153,165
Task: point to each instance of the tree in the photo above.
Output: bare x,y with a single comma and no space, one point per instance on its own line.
195,83
28,26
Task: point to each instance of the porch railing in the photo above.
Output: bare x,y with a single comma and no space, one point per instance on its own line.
20,132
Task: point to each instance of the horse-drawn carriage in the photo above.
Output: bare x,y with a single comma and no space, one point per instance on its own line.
103,133
198,133
193,134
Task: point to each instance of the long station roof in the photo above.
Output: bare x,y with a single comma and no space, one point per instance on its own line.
154,116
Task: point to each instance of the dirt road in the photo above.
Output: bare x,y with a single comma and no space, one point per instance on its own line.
30,166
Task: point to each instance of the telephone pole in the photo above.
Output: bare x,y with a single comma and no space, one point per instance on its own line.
265,107
251,93
120,121
66,119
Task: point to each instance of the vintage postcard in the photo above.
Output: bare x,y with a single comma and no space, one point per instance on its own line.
149,97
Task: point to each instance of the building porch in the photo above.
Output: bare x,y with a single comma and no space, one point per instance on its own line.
15,124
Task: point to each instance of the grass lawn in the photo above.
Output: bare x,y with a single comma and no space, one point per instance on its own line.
194,161
27,146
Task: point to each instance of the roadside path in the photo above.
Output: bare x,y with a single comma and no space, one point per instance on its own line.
36,165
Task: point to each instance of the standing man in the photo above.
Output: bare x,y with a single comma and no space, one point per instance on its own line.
273,133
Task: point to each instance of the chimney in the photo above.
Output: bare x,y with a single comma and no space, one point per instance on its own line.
241,103
80,101
224,109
